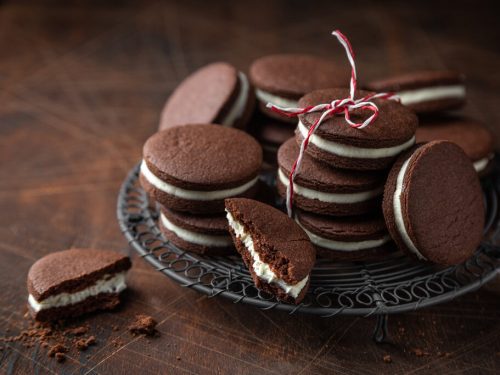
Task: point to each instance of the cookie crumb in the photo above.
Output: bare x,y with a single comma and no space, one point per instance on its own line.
143,325
60,357
419,352
83,344
57,349
178,358
387,358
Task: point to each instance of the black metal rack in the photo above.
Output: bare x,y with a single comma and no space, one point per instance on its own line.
393,285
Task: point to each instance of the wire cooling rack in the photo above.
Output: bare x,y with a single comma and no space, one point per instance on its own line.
393,285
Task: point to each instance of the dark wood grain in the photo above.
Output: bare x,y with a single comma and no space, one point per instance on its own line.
81,88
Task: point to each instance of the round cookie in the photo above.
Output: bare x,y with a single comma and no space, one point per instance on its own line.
342,146
433,203
70,283
472,136
283,79
321,189
197,233
425,91
214,94
194,168
347,238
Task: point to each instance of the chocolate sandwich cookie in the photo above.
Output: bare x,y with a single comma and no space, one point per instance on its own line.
342,146
433,203
472,136
194,168
275,249
196,233
215,94
325,190
348,238
69,283
425,91
271,134
283,79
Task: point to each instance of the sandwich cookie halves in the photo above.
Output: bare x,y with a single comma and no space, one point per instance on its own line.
425,91
472,136
215,94
325,190
275,249
193,168
433,203
283,79
342,146
69,283
347,238
197,233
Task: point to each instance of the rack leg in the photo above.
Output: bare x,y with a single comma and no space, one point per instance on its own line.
380,334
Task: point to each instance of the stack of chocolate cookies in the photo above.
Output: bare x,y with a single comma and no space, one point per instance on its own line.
338,191
282,80
433,95
189,170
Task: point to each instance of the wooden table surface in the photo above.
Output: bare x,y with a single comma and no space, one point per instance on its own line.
81,89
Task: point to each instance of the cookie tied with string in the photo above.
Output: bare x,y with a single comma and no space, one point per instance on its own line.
372,147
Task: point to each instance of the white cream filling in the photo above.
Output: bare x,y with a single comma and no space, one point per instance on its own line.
352,151
343,245
431,93
194,195
106,284
196,238
239,106
480,164
329,197
398,211
261,269
266,97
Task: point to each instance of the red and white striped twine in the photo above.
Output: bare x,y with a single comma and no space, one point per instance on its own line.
328,110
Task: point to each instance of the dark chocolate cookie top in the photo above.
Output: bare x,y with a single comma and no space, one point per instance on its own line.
278,239
441,202
394,125
203,157
72,270
202,97
471,135
318,176
358,228
212,224
293,75
420,79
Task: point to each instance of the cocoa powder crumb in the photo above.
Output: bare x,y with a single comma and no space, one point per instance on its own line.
419,352
143,325
83,344
387,358
78,331
56,349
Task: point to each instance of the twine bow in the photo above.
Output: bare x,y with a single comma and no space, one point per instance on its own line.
337,106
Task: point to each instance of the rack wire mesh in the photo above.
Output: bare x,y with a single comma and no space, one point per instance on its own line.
392,285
